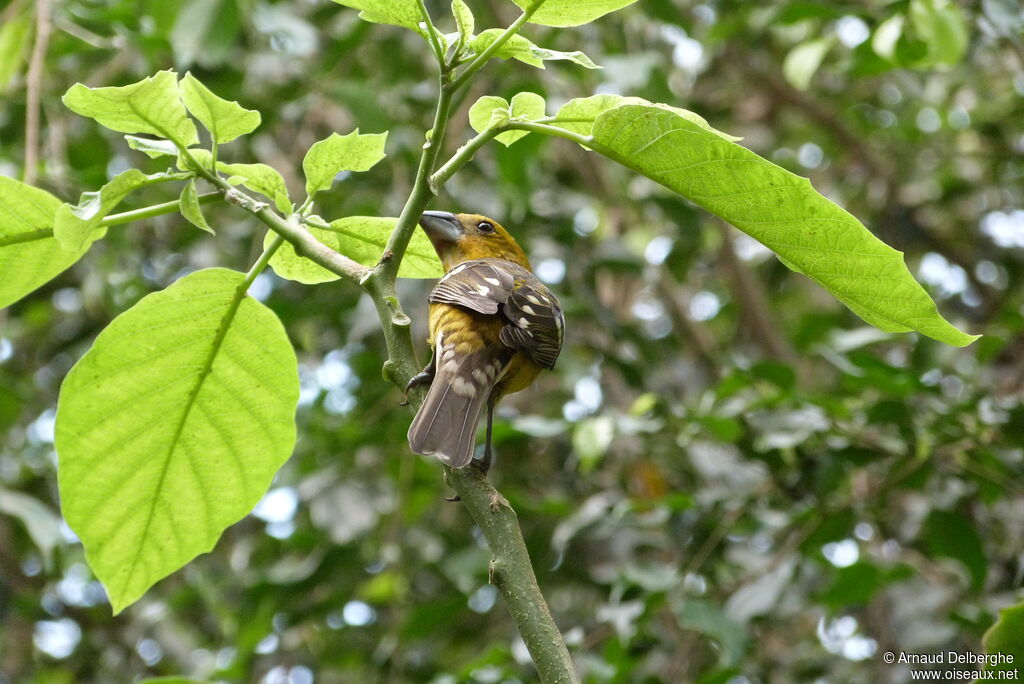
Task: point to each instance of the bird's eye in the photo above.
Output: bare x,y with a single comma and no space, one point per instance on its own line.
485,227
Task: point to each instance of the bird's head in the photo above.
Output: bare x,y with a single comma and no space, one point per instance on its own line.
463,237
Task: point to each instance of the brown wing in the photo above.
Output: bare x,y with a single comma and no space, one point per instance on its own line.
535,321
481,285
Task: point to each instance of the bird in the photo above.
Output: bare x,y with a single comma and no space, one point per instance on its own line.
494,326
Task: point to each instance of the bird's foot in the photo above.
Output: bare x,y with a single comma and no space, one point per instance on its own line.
424,377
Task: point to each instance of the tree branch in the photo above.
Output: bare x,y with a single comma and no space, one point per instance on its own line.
34,86
753,301
511,572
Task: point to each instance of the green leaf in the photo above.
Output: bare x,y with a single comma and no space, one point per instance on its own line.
803,61
225,120
940,25
808,232
463,20
152,148
190,209
489,111
572,12
337,153
526,106
77,225
948,534
518,47
171,427
1006,637
40,521
151,106
578,115
263,179
363,239
29,254
404,13
14,35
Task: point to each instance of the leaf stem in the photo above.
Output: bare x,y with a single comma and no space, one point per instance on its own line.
463,155
536,127
262,262
434,44
112,219
155,210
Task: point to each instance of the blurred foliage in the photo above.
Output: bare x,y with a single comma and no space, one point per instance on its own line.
726,477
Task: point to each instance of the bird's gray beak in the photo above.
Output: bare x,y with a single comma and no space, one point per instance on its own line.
441,226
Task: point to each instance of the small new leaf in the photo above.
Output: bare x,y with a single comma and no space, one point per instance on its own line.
337,153
225,120
526,106
363,239
488,112
522,49
151,106
263,179
77,225
464,21
29,254
152,148
571,12
190,209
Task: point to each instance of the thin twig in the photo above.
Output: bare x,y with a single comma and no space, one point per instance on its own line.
33,87
755,304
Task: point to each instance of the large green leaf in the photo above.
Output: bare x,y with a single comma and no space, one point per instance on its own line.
171,427
225,120
29,254
361,238
811,234
1006,638
150,106
571,12
76,226
518,47
336,153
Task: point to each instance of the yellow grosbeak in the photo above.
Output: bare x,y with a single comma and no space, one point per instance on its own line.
493,327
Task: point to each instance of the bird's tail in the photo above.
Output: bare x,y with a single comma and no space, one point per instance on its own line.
446,423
